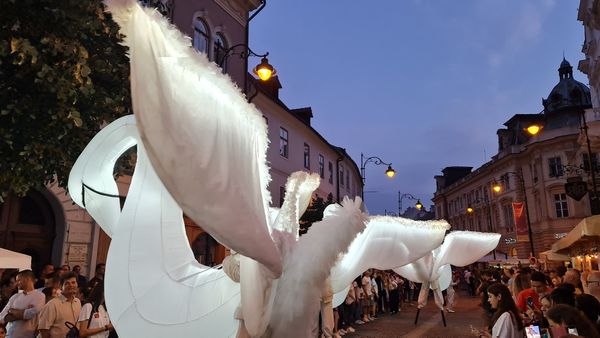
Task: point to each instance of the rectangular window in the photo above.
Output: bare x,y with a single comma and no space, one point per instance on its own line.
341,175
306,156
586,162
560,203
283,142
509,220
330,172
321,166
281,195
555,167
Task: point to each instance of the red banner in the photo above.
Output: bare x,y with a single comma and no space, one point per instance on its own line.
520,221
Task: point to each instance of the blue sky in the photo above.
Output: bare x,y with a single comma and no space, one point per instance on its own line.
422,84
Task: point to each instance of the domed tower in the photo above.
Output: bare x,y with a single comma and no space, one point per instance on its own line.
568,93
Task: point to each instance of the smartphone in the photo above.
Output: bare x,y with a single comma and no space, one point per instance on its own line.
530,302
533,331
572,330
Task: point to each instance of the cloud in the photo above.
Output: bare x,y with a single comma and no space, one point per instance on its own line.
524,27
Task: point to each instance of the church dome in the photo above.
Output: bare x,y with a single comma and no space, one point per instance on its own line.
568,93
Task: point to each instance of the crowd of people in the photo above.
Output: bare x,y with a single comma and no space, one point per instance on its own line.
555,303
58,303
370,295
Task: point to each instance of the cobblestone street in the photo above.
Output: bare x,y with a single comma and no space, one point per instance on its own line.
430,322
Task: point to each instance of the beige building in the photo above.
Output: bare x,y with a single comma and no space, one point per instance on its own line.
529,168
47,224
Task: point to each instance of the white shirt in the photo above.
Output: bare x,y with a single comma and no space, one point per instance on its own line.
99,319
32,302
505,327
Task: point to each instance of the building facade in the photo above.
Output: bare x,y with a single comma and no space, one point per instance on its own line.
47,224
531,169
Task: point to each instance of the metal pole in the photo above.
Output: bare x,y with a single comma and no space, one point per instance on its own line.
362,176
594,199
490,227
520,175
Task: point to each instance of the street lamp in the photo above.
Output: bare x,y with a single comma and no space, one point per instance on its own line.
535,128
390,172
497,188
402,196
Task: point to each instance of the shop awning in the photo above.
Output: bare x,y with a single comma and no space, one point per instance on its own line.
14,260
583,237
553,256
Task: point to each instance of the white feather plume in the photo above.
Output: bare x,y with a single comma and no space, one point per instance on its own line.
309,264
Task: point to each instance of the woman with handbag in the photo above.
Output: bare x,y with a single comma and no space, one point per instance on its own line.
93,319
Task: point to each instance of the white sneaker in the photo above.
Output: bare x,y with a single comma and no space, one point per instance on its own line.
450,310
366,320
359,322
350,329
341,332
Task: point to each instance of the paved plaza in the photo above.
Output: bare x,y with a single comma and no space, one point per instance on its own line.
430,322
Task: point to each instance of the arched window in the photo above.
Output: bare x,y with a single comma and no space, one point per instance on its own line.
204,247
201,39
219,48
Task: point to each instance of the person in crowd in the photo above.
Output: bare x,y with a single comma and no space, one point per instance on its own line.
410,294
375,293
394,295
50,293
368,297
360,299
2,331
47,270
8,287
530,298
64,269
98,277
572,277
64,308
22,307
349,310
380,292
593,284
451,293
81,280
590,307
563,294
522,282
506,321
486,281
93,319
566,316
52,281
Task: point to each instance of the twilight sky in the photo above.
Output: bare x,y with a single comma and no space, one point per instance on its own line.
422,84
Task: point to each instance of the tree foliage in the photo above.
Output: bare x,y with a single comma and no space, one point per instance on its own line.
314,212
63,74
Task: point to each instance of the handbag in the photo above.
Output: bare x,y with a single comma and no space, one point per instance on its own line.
73,330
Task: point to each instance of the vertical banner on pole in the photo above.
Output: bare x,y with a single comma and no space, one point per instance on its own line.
520,221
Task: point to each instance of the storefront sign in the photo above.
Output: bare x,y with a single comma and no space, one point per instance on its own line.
78,252
520,221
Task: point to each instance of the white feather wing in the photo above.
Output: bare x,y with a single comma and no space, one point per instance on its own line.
206,143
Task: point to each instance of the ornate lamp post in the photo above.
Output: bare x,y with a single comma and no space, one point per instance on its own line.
498,188
402,196
390,172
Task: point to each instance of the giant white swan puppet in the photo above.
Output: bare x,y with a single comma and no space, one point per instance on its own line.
154,285
386,243
434,271
207,147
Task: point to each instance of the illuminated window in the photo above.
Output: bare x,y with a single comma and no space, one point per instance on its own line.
201,39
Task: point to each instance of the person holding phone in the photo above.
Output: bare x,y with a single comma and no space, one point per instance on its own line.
538,289
506,320
565,319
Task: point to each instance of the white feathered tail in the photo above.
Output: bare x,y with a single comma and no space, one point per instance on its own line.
309,264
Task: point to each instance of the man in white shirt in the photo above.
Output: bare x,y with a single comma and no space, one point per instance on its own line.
368,300
22,307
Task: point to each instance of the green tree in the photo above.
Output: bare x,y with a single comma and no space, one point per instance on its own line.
63,74
314,212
